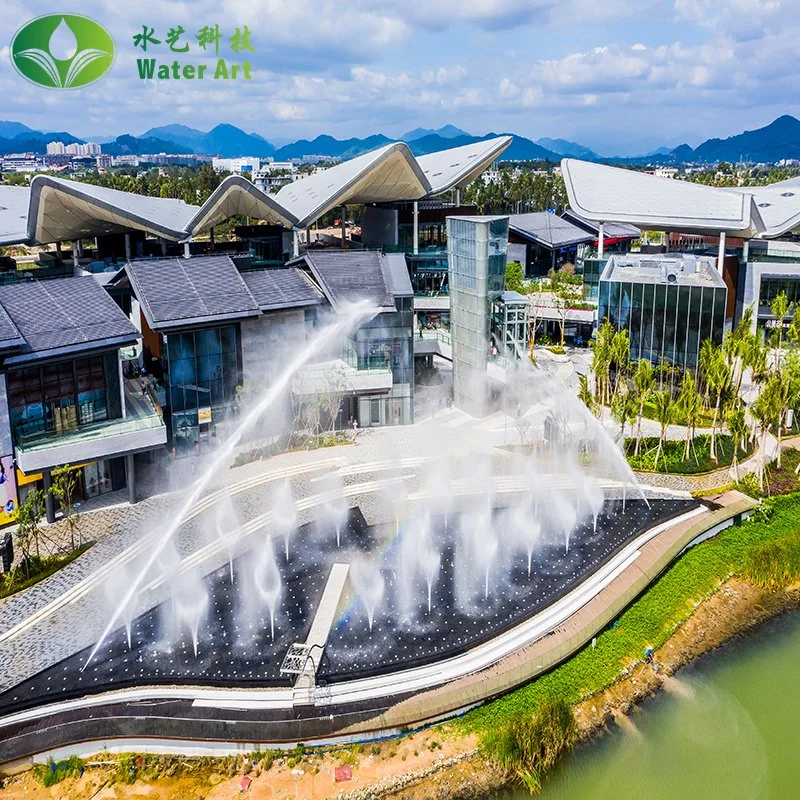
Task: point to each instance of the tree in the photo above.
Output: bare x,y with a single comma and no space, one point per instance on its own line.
780,308
620,356
566,292
585,393
535,310
29,532
644,380
689,403
737,425
623,408
515,277
601,360
767,411
665,414
64,488
718,378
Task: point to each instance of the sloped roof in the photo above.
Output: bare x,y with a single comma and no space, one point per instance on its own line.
458,166
63,316
61,210
179,292
237,195
281,287
350,276
383,175
610,194
547,229
611,230
14,201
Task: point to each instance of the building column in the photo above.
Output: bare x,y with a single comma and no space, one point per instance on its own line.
187,251
415,248
163,247
666,241
211,236
343,216
49,500
721,259
600,241
127,247
75,253
746,251
121,386
58,250
130,477
458,197
296,242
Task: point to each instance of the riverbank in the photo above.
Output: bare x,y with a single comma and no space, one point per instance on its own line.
693,608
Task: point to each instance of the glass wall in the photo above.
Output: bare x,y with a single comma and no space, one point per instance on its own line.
772,287
665,321
203,371
58,398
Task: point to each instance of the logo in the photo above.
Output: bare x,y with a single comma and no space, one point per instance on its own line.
62,51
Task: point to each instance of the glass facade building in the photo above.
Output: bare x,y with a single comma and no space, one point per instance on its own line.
202,371
63,396
669,306
476,251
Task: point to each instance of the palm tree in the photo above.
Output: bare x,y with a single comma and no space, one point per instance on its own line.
737,425
620,355
585,393
689,404
623,409
704,362
644,381
718,378
665,414
780,308
767,411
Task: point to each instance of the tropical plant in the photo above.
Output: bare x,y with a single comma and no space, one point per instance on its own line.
718,379
624,409
644,381
665,415
585,393
737,427
689,404
620,356
29,532
780,308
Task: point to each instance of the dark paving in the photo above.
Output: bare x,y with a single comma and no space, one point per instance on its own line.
235,647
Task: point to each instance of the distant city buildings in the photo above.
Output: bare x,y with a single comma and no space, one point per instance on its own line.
73,149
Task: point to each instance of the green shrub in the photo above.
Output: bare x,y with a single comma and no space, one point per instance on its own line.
55,771
528,745
672,459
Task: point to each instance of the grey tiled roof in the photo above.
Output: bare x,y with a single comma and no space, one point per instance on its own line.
281,287
547,229
350,276
176,292
62,316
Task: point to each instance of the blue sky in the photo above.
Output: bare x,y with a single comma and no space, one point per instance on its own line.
620,76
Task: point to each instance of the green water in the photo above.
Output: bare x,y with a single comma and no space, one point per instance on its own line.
728,727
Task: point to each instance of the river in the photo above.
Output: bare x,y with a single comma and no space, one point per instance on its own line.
727,726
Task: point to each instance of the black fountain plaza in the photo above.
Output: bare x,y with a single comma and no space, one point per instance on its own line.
235,647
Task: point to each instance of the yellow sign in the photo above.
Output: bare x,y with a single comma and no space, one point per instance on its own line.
204,415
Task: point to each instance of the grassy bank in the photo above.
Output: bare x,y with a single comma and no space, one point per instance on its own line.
38,569
764,550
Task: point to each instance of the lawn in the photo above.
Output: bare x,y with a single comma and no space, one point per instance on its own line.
652,619
672,457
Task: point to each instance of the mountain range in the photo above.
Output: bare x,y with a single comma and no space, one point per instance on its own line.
778,140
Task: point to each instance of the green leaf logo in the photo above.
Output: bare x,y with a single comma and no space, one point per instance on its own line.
62,51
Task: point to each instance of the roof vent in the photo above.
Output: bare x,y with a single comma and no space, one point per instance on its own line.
764,205
787,194
672,273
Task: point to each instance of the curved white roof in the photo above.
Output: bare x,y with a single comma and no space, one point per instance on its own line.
14,201
237,195
458,166
61,210
383,175
54,209
611,194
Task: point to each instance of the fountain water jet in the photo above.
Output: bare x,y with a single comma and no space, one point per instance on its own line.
284,513
348,318
267,579
369,583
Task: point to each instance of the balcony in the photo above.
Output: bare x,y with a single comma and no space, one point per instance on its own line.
141,429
